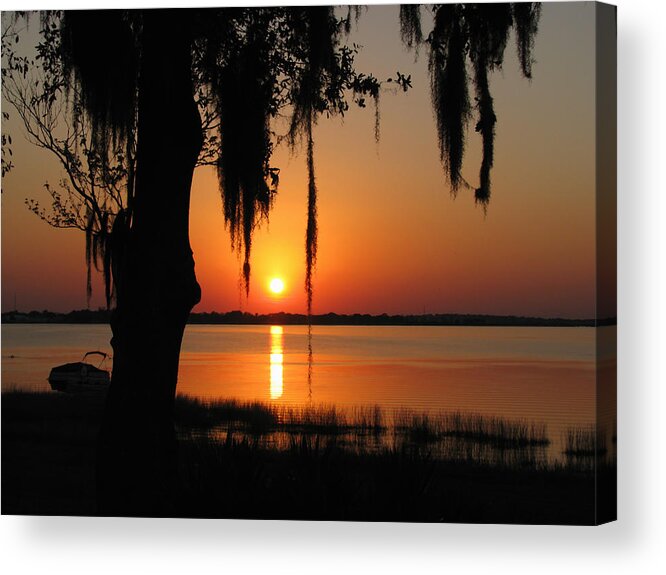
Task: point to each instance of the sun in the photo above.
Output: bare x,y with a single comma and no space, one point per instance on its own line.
276,285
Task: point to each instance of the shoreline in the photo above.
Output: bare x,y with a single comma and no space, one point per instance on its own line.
328,319
48,454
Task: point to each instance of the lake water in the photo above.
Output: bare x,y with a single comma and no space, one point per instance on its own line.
541,374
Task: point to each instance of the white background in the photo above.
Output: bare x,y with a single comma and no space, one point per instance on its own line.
635,543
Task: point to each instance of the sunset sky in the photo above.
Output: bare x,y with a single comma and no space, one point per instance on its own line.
391,237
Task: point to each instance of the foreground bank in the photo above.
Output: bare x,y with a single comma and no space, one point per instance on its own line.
48,456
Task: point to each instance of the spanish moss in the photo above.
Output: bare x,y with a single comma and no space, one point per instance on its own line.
243,103
253,64
321,38
526,17
312,228
489,31
377,117
486,127
449,89
105,257
89,233
478,33
118,242
98,237
319,29
410,25
100,57
353,13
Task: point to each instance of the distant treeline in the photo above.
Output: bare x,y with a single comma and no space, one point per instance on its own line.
282,318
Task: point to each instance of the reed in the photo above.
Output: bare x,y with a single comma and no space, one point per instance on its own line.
422,428
320,418
496,431
316,477
255,417
419,427
584,441
263,417
49,441
194,412
369,418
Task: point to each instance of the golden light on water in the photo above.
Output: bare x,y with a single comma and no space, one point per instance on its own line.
276,362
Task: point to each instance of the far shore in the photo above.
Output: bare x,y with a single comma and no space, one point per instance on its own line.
102,316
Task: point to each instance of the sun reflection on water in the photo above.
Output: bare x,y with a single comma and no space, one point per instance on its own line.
276,362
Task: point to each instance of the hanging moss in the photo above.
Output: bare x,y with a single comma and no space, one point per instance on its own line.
99,237
410,25
100,56
478,34
488,35
248,90
449,88
312,227
526,17
319,29
259,62
243,99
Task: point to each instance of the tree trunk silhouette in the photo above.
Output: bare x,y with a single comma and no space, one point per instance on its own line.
155,281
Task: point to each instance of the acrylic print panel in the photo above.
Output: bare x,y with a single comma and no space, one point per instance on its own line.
357,263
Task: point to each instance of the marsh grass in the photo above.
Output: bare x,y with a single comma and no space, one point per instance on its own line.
456,435
326,419
316,478
584,441
200,413
360,424
496,431
256,417
48,461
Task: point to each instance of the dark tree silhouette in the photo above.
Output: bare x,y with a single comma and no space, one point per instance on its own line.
97,184
143,80
135,74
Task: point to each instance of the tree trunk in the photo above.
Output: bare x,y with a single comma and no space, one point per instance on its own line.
156,287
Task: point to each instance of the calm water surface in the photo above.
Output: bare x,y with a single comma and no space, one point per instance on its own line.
542,374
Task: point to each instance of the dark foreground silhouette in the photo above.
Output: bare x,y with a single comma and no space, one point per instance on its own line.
48,463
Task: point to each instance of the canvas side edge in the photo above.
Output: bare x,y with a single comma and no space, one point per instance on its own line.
606,261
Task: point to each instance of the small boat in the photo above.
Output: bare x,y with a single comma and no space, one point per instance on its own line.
80,376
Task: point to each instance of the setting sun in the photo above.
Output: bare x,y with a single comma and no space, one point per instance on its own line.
276,286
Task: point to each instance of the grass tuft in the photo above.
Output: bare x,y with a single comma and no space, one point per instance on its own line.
584,441
496,431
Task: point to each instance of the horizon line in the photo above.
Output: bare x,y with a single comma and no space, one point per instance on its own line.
384,315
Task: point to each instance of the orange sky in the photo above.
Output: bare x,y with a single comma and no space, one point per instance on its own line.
392,239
